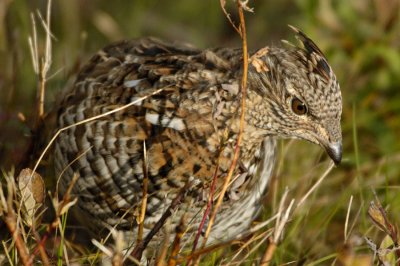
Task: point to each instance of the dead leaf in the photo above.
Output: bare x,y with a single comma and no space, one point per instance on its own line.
32,194
375,213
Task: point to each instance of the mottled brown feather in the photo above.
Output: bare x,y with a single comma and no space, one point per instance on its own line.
186,127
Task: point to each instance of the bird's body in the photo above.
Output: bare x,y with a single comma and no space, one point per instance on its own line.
186,131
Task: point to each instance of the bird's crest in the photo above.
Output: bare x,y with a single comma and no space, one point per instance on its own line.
313,54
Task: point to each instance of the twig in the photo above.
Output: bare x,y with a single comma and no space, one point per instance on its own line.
160,261
138,250
180,230
239,138
11,221
228,16
43,255
67,195
268,254
209,202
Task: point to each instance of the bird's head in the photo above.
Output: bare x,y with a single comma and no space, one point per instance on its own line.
300,95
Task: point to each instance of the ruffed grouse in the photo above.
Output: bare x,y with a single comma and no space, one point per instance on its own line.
186,126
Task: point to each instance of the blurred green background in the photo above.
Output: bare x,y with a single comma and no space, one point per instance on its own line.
360,38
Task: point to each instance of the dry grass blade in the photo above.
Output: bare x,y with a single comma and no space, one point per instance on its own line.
239,138
117,258
265,236
324,175
7,253
33,46
238,239
11,219
40,247
45,64
281,221
346,236
60,208
67,195
258,239
103,248
142,212
180,230
41,67
138,250
69,164
283,216
115,254
206,250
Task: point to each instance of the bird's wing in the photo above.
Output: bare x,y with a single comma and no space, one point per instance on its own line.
183,127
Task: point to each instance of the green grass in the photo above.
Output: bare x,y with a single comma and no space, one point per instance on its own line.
361,43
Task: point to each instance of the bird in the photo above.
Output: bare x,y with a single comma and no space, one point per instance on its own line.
181,125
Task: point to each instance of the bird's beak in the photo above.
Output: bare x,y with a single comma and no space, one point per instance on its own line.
334,151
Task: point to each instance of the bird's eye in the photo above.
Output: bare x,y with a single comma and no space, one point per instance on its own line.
299,107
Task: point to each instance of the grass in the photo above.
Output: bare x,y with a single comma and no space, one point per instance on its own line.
362,45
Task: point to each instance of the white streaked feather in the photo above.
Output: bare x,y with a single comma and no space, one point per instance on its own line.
137,101
152,118
132,83
175,123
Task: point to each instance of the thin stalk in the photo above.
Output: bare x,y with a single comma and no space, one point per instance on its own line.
241,129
